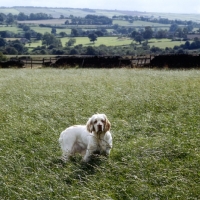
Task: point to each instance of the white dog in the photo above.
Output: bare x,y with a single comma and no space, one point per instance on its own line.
86,139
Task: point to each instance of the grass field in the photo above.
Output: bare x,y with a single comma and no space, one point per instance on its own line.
163,43
109,41
141,24
114,41
48,30
155,125
13,29
47,21
56,12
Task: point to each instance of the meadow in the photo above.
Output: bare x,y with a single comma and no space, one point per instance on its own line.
56,12
155,125
113,41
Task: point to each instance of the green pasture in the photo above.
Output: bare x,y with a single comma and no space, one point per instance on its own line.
43,30
179,16
108,41
163,43
9,10
114,41
56,12
52,22
140,24
154,117
13,29
46,10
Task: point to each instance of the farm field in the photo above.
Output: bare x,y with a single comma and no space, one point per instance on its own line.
163,43
109,41
13,29
155,126
56,12
141,24
182,16
50,21
137,23
113,41
48,30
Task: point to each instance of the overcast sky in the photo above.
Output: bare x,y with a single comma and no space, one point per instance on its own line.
166,6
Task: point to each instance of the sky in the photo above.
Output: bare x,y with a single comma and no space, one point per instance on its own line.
165,6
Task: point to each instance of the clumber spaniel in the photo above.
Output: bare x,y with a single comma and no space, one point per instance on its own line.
87,139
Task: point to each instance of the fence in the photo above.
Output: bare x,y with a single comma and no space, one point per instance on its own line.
89,61
134,61
36,61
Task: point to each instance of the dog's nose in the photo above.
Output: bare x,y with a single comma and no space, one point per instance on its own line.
99,127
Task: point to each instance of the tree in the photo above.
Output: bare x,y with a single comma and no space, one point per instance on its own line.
99,33
62,17
161,34
71,42
2,17
26,28
2,42
73,52
39,36
19,47
11,50
90,51
67,22
190,27
93,37
53,31
10,19
179,32
139,38
133,34
50,39
47,38
27,35
62,34
74,32
21,16
187,45
148,33
173,28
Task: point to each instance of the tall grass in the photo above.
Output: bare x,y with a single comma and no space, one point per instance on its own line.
155,119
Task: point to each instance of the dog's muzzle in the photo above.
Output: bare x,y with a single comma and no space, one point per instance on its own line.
100,128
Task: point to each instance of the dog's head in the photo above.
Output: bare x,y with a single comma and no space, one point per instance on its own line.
98,123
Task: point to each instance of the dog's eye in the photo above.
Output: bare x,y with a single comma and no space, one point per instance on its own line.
103,121
95,121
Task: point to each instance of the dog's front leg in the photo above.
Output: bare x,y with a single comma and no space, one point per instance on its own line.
91,148
87,156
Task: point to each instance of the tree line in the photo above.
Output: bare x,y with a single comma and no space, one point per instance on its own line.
89,20
10,18
51,43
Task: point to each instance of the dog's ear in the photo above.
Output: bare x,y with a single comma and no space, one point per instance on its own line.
89,125
107,125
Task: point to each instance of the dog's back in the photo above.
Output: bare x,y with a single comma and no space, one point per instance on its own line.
74,139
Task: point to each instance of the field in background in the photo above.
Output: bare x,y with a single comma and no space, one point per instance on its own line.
56,12
155,125
113,41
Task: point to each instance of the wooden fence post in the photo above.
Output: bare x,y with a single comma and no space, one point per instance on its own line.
82,63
